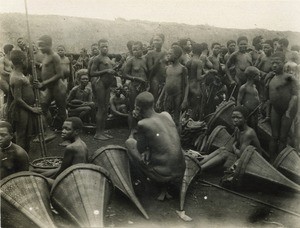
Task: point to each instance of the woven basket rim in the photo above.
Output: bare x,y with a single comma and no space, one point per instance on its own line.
218,113
45,167
66,172
282,155
20,174
104,148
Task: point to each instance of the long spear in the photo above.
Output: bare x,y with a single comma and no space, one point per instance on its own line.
36,90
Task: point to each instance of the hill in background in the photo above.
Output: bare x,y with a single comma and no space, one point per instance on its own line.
76,33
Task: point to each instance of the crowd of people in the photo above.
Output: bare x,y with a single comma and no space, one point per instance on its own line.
150,88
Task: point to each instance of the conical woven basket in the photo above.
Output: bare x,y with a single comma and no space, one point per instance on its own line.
81,194
288,163
192,167
115,160
25,201
219,138
222,116
255,172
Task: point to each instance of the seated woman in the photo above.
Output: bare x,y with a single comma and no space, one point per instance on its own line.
79,101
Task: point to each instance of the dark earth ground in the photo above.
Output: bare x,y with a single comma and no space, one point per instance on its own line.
208,206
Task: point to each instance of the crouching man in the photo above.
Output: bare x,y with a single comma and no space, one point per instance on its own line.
155,146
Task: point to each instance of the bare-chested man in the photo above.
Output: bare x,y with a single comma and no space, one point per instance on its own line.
102,79
195,77
283,94
119,104
257,52
156,66
186,47
66,66
243,137
52,86
175,91
136,71
231,45
214,58
22,109
289,55
155,148
5,69
207,64
95,52
240,60
248,96
264,64
13,157
76,152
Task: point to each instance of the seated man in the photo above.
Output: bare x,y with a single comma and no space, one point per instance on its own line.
155,147
119,103
79,101
244,136
13,157
76,152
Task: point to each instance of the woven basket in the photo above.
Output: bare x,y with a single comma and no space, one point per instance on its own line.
81,194
222,116
219,138
25,201
35,162
253,171
115,159
192,167
288,163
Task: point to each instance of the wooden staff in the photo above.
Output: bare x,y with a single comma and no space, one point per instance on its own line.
36,90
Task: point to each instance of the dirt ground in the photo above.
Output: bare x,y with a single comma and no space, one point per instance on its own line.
207,205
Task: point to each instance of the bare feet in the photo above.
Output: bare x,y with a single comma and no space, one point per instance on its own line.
164,194
106,133
102,137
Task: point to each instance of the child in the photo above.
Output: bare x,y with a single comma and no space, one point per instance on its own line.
248,96
283,94
22,109
76,152
176,89
80,101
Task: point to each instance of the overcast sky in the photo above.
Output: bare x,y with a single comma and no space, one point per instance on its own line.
273,15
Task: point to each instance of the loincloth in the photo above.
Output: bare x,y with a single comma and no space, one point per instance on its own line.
231,159
156,176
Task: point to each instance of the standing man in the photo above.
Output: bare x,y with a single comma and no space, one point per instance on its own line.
102,78
52,85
